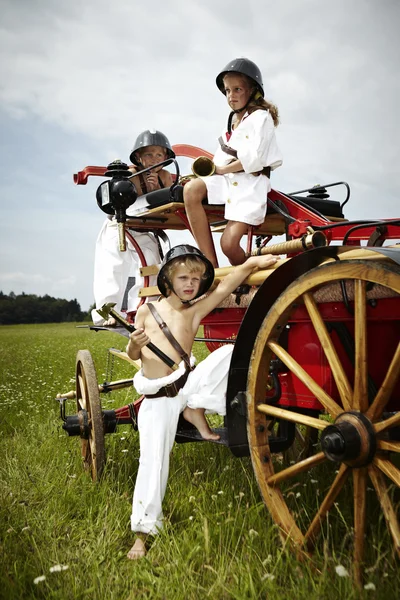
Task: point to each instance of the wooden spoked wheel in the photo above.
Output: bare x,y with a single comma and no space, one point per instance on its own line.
90,414
355,441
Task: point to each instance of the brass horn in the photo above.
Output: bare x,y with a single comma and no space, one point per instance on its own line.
203,167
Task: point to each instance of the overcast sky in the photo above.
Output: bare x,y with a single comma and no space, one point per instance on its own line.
80,80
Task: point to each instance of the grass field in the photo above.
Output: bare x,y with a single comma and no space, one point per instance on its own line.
219,540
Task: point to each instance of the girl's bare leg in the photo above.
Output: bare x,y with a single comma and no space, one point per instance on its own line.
230,242
194,193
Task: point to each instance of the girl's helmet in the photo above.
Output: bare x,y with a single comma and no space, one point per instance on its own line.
151,137
184,251
245,67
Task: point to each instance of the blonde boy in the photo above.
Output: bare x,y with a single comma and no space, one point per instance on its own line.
185,275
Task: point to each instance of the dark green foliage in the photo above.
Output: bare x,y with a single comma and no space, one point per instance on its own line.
29,308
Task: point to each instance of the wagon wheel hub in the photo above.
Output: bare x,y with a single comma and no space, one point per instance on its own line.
351,439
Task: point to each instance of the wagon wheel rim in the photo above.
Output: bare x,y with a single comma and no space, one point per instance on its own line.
353,398
88,400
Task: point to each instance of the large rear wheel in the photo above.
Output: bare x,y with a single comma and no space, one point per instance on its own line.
358,430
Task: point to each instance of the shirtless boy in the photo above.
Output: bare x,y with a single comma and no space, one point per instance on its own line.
185,274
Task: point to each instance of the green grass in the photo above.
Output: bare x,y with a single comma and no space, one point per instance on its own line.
219,540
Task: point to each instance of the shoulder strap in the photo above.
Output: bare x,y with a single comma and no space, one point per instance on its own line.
227,149
160,183
172,340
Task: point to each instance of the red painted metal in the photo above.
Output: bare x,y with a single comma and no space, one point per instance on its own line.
383,322
142,259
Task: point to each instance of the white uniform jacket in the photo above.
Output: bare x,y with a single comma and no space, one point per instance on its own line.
244,194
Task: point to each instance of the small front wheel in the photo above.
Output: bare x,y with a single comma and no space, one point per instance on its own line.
89,411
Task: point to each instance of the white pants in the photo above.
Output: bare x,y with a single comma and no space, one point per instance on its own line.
113,268
158,421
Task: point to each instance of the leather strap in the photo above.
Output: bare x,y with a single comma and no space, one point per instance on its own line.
227,149
172,340
171,389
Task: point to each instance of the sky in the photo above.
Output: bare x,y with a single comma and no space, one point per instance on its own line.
80,80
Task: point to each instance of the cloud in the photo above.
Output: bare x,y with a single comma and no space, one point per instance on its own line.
79,81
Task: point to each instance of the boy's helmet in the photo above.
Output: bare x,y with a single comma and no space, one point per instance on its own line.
184,251
151,137
245,67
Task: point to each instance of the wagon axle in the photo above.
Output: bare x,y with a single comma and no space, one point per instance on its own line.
351,439
80,424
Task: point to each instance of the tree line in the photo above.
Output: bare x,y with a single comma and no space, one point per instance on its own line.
29,308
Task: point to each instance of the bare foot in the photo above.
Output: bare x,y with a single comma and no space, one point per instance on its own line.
111,322
138,550
197,418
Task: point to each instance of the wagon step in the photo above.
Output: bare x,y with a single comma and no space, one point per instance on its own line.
192,435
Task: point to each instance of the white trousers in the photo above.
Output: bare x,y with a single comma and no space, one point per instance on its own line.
113,268
158,421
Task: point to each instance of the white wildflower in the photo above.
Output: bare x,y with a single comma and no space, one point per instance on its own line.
39,579
241,494
72,476
198,473
268,577
124,450
369,586
253,533
191,518
341,571
192,499
298,495
220,492
25,528
267,560
123,438
314,480
58,568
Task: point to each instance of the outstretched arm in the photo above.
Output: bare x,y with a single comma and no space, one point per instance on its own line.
231,282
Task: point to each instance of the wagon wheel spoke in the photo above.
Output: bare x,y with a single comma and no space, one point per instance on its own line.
81,397
326,505
387,467
393,421
304,465
360,505
360,400
387,445
327,402
386,505
281,413
387,387
342,382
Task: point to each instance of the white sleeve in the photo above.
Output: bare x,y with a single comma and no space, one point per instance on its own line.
256,142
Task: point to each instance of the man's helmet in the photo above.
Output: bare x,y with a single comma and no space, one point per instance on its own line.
151,137
245,67
184,251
